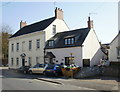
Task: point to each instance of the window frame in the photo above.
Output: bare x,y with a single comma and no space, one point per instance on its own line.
51,43
30,44
12,47
17,46
69,41
38,43
17,61
54,29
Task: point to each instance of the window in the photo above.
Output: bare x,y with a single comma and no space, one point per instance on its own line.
17,48
29,61
17,61
23,46
12,47
69,41
54,29
118,51
12,61
51,43
38,43
30,45
37,60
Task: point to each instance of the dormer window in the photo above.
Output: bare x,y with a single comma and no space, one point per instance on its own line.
54,29
69,41
51,43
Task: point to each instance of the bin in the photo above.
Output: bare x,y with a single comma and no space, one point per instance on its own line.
69,72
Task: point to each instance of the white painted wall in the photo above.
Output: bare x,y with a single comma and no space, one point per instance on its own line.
60,27
91,48
113,50
61,53
34,51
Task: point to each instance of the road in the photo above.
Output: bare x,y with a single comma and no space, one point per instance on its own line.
17,81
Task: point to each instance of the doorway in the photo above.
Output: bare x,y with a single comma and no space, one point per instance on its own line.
86,62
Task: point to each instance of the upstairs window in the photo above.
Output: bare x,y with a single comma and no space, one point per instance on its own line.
38,43
17,47
30,45
12,47
51,43
69,41
54,29
23,46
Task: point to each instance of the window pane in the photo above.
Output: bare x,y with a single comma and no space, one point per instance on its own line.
30,45
38,43
72,40
54,29
17,48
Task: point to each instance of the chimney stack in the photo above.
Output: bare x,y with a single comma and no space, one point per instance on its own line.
90,23
22,24
59,13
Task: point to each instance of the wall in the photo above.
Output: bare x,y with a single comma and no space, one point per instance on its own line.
60,27
34,52
91,48
61,53
113,50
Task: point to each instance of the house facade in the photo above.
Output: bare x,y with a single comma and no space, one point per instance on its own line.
26,46
114,51
80,46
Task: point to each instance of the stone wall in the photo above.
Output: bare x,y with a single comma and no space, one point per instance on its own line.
98,71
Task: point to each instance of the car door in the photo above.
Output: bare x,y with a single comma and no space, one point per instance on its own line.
41,68
35,69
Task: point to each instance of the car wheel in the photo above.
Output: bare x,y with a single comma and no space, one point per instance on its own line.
56,75
30,72
25,72
44,73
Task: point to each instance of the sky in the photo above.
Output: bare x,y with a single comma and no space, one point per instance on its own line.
103,14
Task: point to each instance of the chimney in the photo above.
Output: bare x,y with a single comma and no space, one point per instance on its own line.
22,24
90,23
59,13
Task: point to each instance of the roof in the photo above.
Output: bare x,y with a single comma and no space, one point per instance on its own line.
50,55
115,37
78,34
38,26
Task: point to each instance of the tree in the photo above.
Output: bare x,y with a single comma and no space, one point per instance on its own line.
6,33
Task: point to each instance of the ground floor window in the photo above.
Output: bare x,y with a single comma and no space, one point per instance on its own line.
17,61
37,60
30,61
12,61
86,62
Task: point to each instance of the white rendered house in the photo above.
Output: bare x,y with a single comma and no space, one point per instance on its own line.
80,46
26,46
114,51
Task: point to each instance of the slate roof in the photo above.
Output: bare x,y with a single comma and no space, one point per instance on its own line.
78,34
38,26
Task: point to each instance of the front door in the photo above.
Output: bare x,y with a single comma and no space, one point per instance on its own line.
86,62
67,61
23,61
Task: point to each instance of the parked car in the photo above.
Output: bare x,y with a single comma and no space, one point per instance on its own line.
53,70
23,69
39,68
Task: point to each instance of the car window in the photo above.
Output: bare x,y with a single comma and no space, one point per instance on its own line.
58,67
42,65
50,67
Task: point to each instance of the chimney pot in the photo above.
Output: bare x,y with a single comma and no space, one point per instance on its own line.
59,13
22,24
90,23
